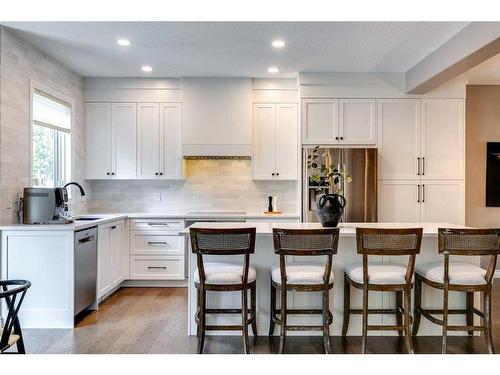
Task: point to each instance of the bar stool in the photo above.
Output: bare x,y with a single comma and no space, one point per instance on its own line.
13,292
384,277
463,277
224,277
302,277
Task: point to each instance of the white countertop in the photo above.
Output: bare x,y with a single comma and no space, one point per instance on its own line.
106,218
346,229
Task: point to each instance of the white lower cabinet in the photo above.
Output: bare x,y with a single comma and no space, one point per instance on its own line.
157,267
157,252
422,201
112,255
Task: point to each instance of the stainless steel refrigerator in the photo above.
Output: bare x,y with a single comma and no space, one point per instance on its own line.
360,193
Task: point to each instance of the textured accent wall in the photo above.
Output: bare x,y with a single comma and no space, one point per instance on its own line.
482,125
209,185
20,62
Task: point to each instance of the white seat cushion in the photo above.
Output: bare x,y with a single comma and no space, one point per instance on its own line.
12,338
225,273
301,273
378,273
460,273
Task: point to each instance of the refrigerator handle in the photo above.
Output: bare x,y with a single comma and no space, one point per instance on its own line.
418,193
418,166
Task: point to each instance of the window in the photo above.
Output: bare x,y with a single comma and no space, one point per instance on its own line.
51,148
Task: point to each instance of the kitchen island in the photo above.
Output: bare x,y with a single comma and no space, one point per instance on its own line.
264,258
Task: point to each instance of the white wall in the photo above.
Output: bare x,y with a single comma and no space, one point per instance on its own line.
19,63
210,185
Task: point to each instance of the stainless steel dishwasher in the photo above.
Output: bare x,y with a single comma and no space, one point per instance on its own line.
85,268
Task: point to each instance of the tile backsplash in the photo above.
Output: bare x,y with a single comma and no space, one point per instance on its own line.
209,185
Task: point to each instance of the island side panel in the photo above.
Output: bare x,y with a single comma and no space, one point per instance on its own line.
46,259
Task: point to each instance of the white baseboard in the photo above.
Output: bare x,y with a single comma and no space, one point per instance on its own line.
496,275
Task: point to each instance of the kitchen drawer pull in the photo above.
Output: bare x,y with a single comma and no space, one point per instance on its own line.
86,239
158,224
157,243
157,267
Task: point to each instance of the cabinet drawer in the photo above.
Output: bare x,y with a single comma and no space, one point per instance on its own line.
157,268
156,244
157,224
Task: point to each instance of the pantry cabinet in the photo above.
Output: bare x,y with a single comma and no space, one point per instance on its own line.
339,122
112,256
411,201
275,151
110,140
159,141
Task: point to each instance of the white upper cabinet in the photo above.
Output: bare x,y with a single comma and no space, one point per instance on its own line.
442,135
170,126
148,140
286,142
339,122
264,140
98,140
357,122
275,155
399,138
159,141
123,154
320,121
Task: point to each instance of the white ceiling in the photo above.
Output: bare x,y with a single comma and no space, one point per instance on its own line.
237,49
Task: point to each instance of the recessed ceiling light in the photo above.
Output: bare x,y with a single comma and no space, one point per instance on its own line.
123,42
147,69
273,69
278,43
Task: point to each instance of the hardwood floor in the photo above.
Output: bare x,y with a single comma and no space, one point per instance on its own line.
153,320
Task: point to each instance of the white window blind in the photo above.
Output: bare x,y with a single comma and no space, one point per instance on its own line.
51,112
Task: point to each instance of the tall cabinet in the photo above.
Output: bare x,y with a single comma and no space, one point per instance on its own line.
421,160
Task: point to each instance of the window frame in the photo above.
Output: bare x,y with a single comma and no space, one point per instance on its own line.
58,95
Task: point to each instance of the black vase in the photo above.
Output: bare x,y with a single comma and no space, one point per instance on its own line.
329,209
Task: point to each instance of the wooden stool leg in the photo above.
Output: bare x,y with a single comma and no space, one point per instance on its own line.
244,313
445,321
469,296
253,306
326,326
347,306
417,305
272,310
407,332
283,320
487,321
198,312
364,332
399,314
202,296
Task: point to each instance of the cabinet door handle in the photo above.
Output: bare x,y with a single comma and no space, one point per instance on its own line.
277,174
341,138
86,239
423,166
113,227
272,174
161,173
157,267
423,193
107,173
418,193
418,166
157,243
157,224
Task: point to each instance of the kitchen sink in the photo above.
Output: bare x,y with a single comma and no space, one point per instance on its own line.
87,218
